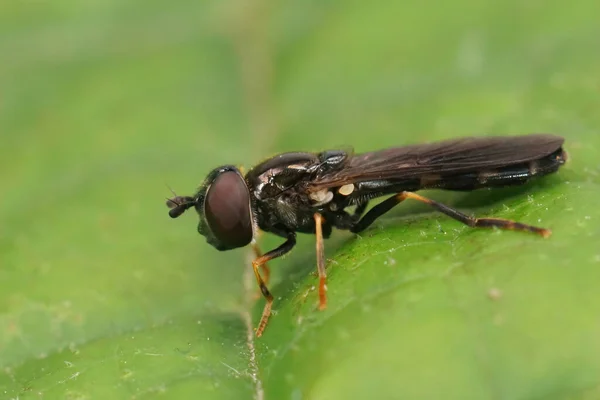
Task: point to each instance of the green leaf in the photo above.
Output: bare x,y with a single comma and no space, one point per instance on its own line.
103,296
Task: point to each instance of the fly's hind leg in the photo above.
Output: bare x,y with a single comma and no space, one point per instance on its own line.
360,210
388,204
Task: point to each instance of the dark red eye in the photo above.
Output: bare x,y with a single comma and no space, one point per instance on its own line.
227,211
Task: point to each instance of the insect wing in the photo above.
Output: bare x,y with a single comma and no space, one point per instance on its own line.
447,157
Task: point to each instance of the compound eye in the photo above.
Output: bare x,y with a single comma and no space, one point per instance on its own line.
227,210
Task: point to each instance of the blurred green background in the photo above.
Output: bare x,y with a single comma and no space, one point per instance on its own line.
102,104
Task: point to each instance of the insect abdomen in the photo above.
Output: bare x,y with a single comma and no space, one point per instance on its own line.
516,174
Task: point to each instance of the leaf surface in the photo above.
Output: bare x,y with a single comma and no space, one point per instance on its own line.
102,295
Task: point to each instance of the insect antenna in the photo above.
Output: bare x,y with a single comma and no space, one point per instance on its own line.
179,204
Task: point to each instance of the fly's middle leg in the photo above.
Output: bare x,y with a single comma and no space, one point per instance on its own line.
321,261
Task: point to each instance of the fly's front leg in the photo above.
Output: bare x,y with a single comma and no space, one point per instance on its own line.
388,204
258,263
264,268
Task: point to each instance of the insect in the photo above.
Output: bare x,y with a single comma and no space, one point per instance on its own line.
316,192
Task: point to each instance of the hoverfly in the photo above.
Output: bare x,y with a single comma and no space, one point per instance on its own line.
314,192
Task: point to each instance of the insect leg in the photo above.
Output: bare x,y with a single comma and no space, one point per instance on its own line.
321,261
360,209
389,203
278,252
264,268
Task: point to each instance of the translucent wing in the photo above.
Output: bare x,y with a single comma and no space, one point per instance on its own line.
446,157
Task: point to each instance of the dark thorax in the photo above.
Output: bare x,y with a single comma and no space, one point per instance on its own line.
280,195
